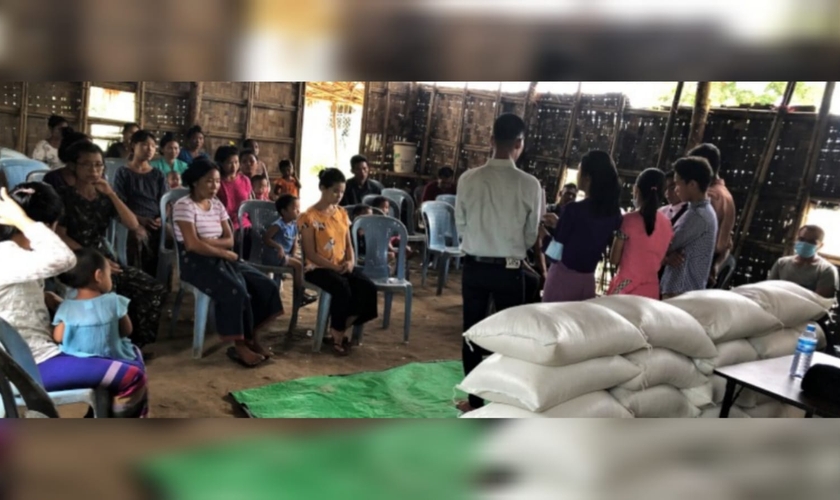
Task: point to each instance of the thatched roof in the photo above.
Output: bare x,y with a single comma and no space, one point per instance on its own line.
339,92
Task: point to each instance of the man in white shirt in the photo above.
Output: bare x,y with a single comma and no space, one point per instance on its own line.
497,212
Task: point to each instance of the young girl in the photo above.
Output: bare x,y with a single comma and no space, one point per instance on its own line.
251,165
234,190
287,183
254,146
95,323
640,245
260,184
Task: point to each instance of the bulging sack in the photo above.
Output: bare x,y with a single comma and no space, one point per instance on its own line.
663,367
662,401
699,396
536,387
782,342
662,324
557,334
725,315
729,353
714,412
597,404
746,398
792,307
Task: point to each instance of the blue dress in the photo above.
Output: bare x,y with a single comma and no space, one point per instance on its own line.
92,328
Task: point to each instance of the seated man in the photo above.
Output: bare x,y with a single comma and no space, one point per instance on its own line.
806,268
445,184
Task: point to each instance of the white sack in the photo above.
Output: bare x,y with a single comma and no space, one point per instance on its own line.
791,308
663,367
662,324
557,334
771,409
714,412
806,294
726,315
701,395
729,353
593,405
782,342
662,401
536,387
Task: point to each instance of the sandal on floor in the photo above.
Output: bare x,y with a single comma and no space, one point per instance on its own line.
340,350
307,299
232,354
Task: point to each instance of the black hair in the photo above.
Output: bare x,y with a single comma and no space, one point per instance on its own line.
507,129
129,126
141,136
258,178
248,144
669,174
80,148
356,160
70,137
379,201
359,210
284,202
39,201
651,184
604,186
55,120
570,185
711,153
284,164
246,152
88,261
225,152
811,227
445,173
166,139
695,168
197,170
329,177
195,129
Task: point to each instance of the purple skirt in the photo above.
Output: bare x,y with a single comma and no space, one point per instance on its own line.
564,285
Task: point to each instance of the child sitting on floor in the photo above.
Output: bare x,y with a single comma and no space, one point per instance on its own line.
280,243
95,323
261,189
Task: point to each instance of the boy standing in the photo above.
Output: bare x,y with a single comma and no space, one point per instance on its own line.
806,268
287,183
281,241
695,234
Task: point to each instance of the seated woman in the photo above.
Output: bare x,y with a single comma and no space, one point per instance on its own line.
325,234
63,177
234,190
28,214
89,207
141,186
168,163
244,298
642,242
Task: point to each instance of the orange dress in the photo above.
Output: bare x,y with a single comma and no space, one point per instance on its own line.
287,187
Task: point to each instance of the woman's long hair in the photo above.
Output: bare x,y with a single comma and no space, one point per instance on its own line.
604,186
651,186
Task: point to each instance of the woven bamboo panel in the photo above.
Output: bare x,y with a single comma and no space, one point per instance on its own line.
675,148
165,111
470,159
60,98
548,174
121,86
827,182
376,103
627,183
273,123
36,130
285,93
788,165
230,90
479,115
640,139
774,219
420,113
222,117
399,87
179,87
399,126
10,94
741,141
439,155
754,263
547,130
446,116
9,131
211,144
595,130
378,86
272,152
515,107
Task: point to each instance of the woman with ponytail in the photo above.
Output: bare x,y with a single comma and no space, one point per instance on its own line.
640,245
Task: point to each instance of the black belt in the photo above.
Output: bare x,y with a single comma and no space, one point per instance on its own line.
494,261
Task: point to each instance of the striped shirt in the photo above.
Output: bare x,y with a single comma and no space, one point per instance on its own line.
208,223
695,235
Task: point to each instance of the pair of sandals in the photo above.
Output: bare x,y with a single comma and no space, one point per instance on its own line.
340,350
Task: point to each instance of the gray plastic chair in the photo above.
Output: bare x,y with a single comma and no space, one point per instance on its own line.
378,232
394,207
440,225
399,197
11,153
17,169
36,175
166,255
99,400
112,165
446,198
32,396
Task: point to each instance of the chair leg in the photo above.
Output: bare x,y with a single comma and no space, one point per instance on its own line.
202,311
408,295
101,403
176,311
424,266
358,333
386,317
321,324
296,301
442,272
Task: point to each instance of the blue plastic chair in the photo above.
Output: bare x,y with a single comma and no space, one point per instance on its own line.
36,400
446,198
400,197
36,175
17,169
11,153
378,232
112,165
394,208
99,400
166,256
117,241
439,217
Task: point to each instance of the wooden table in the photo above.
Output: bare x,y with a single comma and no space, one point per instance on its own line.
772,377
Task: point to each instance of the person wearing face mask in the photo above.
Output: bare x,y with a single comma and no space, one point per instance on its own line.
640,245
806,268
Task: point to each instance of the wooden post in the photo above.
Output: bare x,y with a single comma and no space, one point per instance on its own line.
570,133
813,158
196,93
669,126
141,103
764,166
459,140
334,109
83,112
249,111
301,107
24,114
427,132
702,105
385,125
498,109
363,138
619,119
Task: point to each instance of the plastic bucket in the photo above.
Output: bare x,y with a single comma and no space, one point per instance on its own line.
405,157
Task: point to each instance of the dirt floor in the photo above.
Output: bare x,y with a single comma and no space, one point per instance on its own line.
181,387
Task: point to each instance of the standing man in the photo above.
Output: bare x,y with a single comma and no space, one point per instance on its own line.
360,185
497,212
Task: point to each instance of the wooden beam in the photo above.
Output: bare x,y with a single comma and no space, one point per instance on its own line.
83,113
334,111
301,105
813,158
427,133
498,102
365,111
24,114
459,133
702,104
196,96
387,120
141,104
619,120
669,125
760,176
249,110
570,134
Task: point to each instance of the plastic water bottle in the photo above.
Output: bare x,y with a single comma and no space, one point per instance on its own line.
804,352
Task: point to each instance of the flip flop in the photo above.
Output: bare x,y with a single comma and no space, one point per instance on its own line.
232,354
344,352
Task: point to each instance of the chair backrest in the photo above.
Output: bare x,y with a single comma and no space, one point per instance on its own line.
400,197
36,175
446,198
11,153
418,195
727,270
261,214
394,209
378,231
17,169
112,165
166,201
34,396
18,349
439,217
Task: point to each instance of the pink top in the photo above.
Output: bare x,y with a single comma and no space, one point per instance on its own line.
234,193
642,256
208,223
